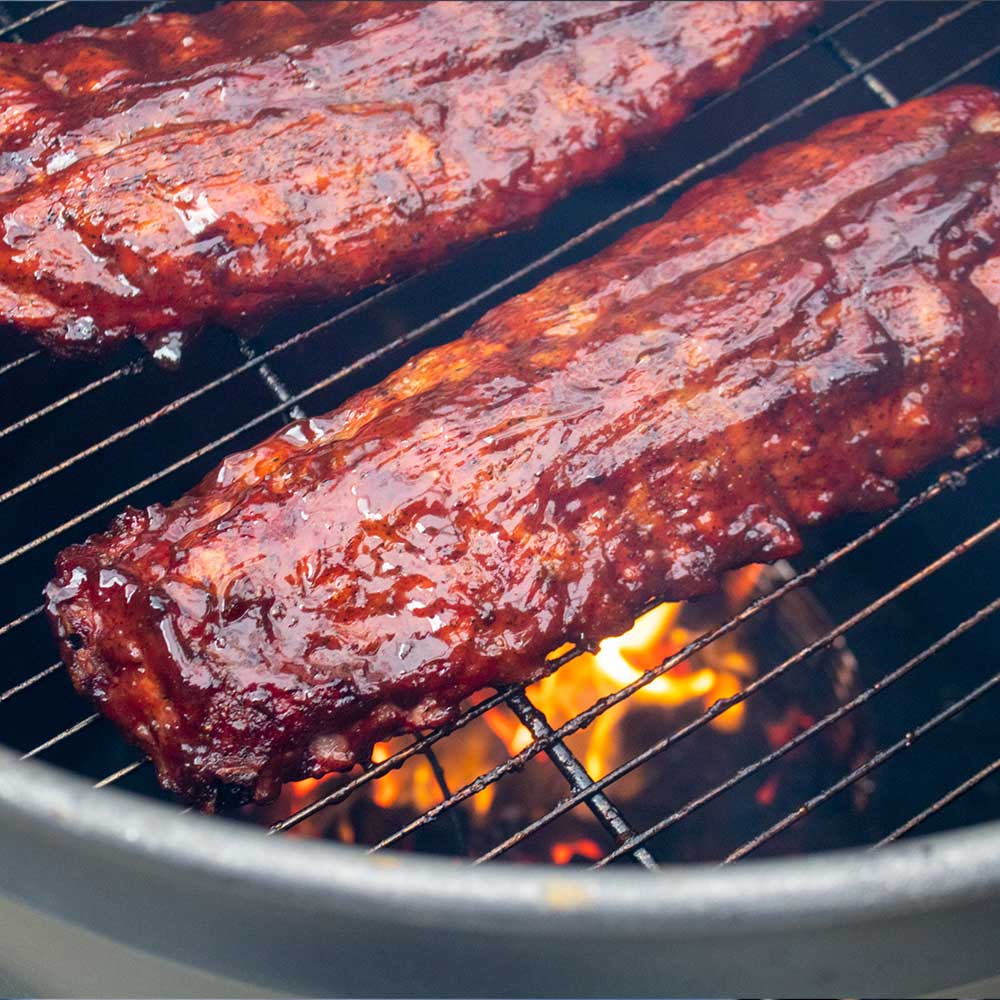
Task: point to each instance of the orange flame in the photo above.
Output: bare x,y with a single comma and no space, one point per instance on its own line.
621,660
299,794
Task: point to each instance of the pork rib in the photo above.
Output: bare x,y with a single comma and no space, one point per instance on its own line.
194,169
784,345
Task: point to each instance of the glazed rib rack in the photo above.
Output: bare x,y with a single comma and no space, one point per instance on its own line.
911,591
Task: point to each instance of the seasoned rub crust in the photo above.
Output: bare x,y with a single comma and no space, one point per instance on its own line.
783,346
193,169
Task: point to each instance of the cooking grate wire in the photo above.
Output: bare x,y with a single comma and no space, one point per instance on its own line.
545,738
796,741
9,27
16,362
869,765
935,807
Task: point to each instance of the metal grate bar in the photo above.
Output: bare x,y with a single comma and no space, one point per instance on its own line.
607,813
21,619
859,772
955,793
271,380
11,365
10,27
6,20
961,71
59,737
802,49
835,716
142,484
872,82
397,760
726,703
505,282
254,360
121,772
30,681
442,782
584,718
70,397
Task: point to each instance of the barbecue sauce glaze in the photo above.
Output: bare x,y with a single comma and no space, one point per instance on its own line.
194,169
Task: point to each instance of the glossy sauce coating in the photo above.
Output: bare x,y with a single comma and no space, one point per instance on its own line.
784,345
209,169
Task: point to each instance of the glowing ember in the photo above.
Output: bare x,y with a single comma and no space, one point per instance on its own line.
566,851
794,722
768,792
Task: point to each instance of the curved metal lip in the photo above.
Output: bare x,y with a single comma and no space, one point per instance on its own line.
925,874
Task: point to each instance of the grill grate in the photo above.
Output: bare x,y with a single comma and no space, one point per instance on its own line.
103,436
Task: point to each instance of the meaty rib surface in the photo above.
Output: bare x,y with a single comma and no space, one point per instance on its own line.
786,343
194,169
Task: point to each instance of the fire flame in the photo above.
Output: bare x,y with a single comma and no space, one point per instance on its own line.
619,661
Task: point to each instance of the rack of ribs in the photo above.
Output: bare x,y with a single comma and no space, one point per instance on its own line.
194,169
784,345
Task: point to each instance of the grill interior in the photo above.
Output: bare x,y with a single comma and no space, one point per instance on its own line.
911,591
